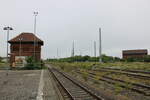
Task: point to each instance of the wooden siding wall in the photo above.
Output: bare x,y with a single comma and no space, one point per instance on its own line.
26,50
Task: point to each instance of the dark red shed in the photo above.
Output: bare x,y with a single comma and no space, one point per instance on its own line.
140,53
23,45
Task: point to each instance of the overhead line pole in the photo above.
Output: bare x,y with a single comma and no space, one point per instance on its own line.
20,39
100,46
57,54
35,15
72,49
94,48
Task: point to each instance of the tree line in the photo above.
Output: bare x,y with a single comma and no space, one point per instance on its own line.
105,59
85,59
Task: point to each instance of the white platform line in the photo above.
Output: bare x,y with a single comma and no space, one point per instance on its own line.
40,89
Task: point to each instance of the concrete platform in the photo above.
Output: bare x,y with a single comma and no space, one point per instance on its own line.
26,85
19,85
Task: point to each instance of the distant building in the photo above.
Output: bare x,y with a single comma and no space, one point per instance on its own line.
23,46
134,53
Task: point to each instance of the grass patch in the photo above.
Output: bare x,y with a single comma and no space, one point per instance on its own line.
91,65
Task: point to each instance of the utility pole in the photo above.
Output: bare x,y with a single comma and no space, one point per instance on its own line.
72,54
35,15
57,54
8,29
94,48
100,46
20,39
80,53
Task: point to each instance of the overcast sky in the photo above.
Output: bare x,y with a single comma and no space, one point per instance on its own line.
125,24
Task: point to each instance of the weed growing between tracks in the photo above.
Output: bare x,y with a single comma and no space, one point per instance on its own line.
96,65
116,89
85,76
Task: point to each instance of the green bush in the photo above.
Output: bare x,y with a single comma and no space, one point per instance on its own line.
130,59
0,59
86,59
32,64
147,59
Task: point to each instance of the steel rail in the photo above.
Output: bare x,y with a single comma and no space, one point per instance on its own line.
69,94
114,81
86,89
126,73
127,70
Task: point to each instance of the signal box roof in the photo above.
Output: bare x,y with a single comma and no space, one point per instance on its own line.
26,38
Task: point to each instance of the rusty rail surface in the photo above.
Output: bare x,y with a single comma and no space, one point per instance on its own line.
142,75
127,70
137,87
74,89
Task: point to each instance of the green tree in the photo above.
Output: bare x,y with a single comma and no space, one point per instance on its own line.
130,59
32,64
0,59
147,58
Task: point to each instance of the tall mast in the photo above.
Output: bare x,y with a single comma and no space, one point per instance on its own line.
100,46
94,48
72,54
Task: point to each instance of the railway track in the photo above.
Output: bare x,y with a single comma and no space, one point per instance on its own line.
133,71
72,89
129,73
140,88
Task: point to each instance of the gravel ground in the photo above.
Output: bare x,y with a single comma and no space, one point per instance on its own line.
49,91
109,90
19,85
